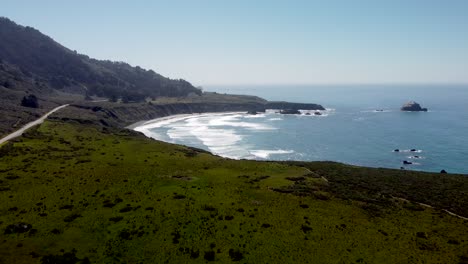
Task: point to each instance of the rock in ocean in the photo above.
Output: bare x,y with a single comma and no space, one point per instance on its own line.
412,106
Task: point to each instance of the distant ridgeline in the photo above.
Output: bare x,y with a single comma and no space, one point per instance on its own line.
33,62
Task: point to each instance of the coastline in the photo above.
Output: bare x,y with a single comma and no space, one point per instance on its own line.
274,152
169,117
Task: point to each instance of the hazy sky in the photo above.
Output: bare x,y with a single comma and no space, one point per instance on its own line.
265,42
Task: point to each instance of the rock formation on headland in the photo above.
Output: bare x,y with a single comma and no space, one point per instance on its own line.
412,106
290,112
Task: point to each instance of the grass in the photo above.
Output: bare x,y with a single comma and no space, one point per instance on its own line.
75,193
444,191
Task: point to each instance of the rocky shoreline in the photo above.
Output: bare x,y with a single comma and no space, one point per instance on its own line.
125,115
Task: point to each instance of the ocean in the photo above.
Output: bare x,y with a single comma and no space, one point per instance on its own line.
362,125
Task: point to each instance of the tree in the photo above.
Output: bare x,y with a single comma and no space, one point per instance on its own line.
30,101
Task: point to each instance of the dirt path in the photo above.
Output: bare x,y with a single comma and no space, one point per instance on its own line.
20,131
430,206
403,199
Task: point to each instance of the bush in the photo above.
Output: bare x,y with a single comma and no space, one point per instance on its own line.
30,101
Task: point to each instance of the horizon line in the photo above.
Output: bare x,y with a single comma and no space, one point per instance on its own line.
337,84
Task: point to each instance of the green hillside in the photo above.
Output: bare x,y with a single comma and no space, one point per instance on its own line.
74,193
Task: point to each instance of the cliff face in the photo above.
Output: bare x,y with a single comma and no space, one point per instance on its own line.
111,114
120,115
293,106
146,112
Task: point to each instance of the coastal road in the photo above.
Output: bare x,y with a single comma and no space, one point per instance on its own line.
29,125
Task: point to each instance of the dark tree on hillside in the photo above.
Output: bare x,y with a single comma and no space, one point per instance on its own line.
30,101
130,96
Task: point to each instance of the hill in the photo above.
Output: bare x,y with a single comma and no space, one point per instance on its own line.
30,58
74,192
33,65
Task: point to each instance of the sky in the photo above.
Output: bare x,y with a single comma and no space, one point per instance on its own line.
209,42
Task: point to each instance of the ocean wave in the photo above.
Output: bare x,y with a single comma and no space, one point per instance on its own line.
377,111
161,122
359,119
415,157
255,116
323,113
219,133
275,119
220,141
233,121
265,154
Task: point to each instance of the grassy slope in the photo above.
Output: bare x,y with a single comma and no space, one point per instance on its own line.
444,191
139,200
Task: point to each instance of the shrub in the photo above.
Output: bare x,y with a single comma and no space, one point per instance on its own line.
30,101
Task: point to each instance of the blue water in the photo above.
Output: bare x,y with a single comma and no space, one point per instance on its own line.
350,131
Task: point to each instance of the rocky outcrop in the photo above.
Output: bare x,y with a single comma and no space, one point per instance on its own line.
126,114
290,112
115,114
412,106
293,106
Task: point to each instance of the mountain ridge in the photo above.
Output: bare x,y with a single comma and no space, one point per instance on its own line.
41,58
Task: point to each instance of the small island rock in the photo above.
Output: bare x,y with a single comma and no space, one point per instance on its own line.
413,107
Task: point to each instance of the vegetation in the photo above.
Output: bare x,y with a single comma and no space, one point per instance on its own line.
84,193
30,101
46,64
444,191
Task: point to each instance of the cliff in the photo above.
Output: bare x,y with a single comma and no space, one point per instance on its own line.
293,106
121,115
118,115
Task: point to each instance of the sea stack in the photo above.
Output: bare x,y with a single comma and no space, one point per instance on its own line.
412,106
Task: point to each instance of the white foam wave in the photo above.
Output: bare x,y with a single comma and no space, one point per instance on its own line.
410,150
264,153
161,122
376,111
219,133
255,116
415,157
220,141
322,113
275,119
232,121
